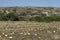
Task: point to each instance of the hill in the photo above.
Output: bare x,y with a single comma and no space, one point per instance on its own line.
29,14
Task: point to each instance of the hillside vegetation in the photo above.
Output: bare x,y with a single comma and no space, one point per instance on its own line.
40,14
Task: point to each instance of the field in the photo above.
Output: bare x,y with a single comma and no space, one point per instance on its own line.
25,30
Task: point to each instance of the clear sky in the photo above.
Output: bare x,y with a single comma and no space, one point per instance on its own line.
54,3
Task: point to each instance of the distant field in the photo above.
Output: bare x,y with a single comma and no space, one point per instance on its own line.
25,30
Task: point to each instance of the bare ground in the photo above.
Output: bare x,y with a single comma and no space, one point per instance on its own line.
20,30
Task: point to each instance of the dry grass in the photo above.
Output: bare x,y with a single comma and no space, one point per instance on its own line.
25,30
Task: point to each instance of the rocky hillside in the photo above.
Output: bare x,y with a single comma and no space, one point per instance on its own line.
48,11
27,13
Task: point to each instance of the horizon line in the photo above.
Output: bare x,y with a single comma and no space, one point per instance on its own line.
30,6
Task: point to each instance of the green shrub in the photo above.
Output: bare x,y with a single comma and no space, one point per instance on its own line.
35,19
11,17
45,19
15,17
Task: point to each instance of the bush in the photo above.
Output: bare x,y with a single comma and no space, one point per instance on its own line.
12,17
15,17
36,19
45,19
23,14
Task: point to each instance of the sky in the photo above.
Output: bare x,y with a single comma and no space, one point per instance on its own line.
52,3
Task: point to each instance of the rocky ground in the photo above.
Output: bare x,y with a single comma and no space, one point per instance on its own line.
20,30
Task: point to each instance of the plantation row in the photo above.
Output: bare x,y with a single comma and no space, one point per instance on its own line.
16,17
